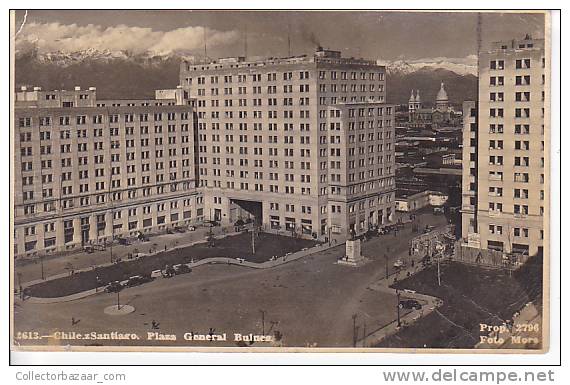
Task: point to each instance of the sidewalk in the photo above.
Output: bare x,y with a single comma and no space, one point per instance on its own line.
80,260
157,250
429,304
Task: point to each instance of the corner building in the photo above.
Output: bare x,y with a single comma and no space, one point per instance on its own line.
504,175
302,144
88,170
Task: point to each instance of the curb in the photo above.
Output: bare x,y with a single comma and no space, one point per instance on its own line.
213,260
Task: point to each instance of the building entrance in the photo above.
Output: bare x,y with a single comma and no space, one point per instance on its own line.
246,211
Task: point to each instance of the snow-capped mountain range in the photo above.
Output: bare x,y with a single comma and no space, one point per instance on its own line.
124,74
461,66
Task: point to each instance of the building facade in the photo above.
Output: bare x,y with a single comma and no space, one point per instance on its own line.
303,144
504,195
88,170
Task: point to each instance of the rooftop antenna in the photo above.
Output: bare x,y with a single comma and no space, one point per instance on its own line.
205,44
245,42
479,39
289,37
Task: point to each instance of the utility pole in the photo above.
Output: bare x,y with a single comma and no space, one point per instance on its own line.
253,238
438,271
42,265
386,261
118,302
262,322
354,330
398,308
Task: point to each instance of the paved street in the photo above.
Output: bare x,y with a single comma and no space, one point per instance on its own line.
310,301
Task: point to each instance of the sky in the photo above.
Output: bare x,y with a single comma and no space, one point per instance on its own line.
376,35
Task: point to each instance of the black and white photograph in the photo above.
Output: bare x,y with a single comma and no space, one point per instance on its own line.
280,181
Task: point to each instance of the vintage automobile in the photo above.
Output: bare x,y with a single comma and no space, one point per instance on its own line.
181,269
410,304
399,264
138,280
114,287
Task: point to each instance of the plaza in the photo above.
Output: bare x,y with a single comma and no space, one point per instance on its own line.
309,302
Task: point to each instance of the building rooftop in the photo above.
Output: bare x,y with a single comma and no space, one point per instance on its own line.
320,56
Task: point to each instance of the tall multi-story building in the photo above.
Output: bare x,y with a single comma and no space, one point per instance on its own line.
304,144
86,170
504,195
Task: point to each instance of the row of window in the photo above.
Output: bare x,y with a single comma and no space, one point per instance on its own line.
286,76
100,119
520,177
519,64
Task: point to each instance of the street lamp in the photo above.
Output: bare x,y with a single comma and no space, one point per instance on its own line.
398,307
42,266
262,321
354,330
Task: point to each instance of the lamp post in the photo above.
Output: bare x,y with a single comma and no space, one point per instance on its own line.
354,330
42,266
253,238
398,307
262,321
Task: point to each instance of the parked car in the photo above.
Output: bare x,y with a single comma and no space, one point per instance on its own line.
168,272
143,237
88,249
428,229
156,274
410,304
181,269
180,229
438,210
399,264
191,228
114,287
124,241
138,280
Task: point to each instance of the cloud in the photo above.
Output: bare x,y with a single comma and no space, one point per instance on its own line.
50,37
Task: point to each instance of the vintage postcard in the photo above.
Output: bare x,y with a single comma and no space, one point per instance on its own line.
280,180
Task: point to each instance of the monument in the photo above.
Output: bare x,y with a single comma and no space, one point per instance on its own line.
353,256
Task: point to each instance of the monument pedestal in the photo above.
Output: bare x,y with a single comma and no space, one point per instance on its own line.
353,256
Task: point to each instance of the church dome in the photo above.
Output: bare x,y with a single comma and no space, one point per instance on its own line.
442,94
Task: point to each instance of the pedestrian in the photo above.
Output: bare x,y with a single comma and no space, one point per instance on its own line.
72,321
164,247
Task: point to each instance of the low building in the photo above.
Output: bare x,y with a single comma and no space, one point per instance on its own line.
407,202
